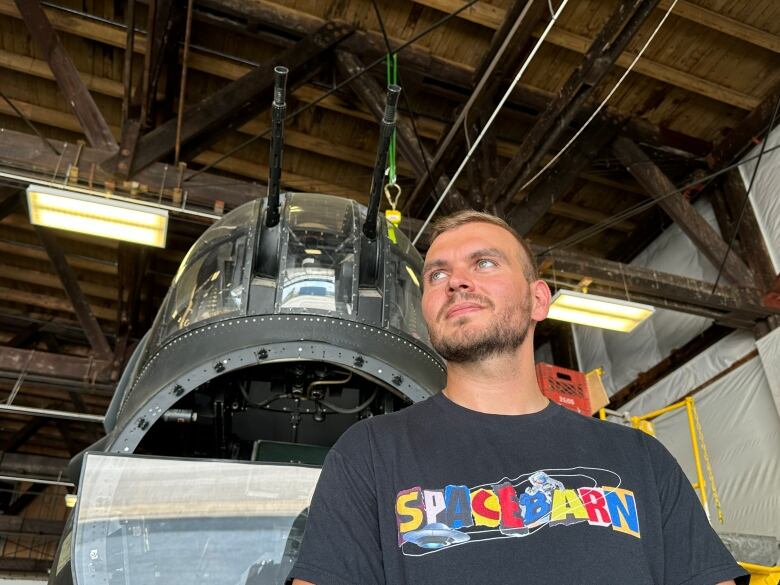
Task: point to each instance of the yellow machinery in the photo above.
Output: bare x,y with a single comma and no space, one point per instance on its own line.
759,574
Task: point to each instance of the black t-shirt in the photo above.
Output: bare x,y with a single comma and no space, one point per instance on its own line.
439,494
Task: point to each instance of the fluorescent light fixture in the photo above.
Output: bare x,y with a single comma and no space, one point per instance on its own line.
313,251
97,216
596,311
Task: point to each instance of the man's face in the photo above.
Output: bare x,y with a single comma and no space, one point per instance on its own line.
476,300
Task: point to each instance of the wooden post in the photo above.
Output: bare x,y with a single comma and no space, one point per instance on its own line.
89,324
76,94
658,186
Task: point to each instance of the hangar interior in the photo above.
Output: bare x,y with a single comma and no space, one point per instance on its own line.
634,143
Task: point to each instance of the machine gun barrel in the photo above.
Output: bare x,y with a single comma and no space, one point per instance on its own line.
278,112
385,134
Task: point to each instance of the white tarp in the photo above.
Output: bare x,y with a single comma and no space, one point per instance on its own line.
763,195
624,355
769,352
742,433
694,373
740,422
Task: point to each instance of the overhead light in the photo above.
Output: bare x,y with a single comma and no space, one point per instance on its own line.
596,311
313,251
97,216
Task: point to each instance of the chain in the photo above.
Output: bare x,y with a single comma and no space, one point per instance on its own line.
710,475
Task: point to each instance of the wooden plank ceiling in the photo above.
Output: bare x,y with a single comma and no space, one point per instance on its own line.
702,93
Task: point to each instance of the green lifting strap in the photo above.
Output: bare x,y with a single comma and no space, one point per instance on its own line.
392,78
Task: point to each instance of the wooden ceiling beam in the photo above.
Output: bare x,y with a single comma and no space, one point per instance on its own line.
296,139
749,232
647,67
509,42
32,526
37,253
70,283
68,80
48,280
416,58
658,185
658,288
561,179
368,44
27,432
40,466
516,44
166,27
66,367
10,204
238,102
427,127
50,303
626,19
492,16
745,135
413,151
660,72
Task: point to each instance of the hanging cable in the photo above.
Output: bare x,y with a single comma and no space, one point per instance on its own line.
490,120
333,90
603,103
747,197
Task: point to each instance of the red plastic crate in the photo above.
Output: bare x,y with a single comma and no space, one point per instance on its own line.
568,388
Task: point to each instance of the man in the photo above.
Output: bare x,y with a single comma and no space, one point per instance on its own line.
488,482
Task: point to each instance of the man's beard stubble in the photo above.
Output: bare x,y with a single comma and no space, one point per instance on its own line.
504,335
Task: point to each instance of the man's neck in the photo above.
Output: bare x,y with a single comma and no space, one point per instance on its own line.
503,384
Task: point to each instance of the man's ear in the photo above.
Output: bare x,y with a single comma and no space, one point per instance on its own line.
541,296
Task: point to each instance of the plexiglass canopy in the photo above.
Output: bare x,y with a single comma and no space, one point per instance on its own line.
319,253
144,520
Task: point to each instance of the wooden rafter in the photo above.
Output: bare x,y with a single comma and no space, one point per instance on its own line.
83,310
745,135
559,182
76,94
42,363
658,186
492,17
299,23
235,104
368,44
572,98
757,254
10,204
509,42
734,306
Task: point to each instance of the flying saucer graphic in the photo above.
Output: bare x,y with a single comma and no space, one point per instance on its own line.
435,535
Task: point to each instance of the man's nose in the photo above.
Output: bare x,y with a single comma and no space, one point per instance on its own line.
460,280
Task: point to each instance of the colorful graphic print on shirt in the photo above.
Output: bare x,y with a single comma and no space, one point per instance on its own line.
430,520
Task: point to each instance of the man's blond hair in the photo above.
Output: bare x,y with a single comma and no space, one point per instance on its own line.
461,218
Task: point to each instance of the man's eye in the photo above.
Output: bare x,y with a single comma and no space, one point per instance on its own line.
435,275
485,263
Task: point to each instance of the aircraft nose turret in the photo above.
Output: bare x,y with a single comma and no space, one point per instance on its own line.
249,300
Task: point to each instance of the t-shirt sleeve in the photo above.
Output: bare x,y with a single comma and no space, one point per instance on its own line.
341,541
693,552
